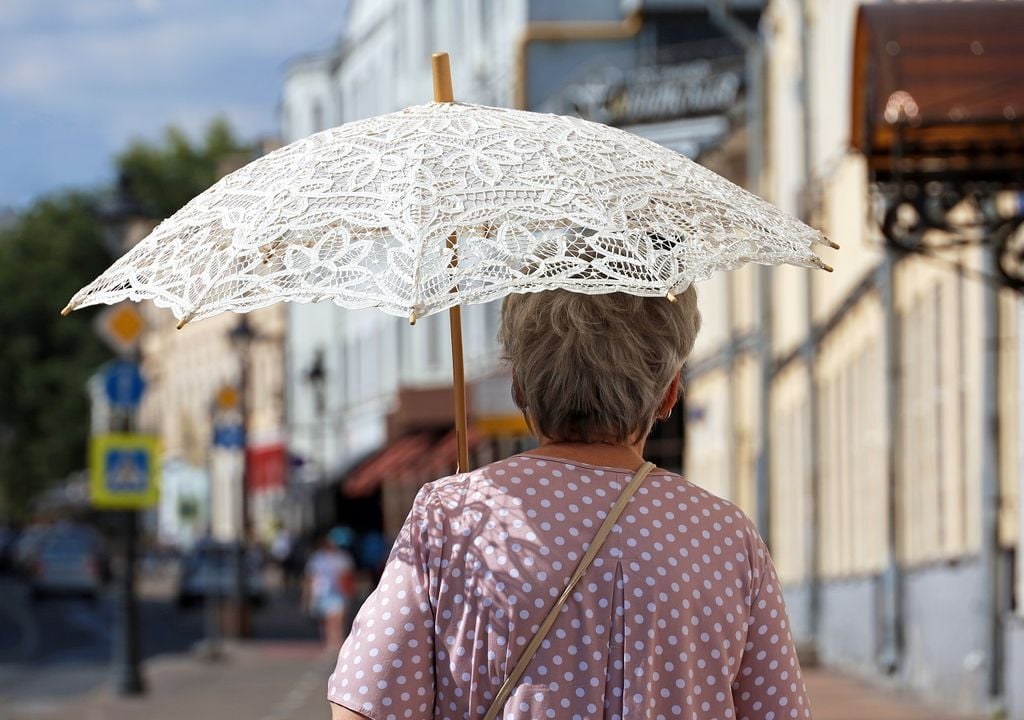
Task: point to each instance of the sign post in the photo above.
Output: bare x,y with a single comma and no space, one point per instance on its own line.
124,478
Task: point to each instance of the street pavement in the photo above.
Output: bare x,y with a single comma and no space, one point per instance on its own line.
281,675
258,680
58,650
285,680
835,696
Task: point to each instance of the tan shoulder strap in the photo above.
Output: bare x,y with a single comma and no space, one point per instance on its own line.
588,557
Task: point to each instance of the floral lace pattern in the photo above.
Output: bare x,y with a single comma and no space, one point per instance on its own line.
450,203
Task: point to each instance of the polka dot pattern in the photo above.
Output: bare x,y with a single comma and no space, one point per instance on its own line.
680,615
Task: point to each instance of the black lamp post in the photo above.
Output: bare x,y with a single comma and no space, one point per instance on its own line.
116,216
242,336
317,378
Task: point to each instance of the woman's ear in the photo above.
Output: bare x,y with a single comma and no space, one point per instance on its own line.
670,398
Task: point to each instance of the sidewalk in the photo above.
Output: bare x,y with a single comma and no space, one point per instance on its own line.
839,697
287,681
255,681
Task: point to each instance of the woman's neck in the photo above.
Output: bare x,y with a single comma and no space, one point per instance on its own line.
624,455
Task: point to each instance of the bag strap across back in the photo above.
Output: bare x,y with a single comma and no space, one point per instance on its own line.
588,557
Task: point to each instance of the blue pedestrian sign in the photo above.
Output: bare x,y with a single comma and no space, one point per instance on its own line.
229,435
123,384
124,471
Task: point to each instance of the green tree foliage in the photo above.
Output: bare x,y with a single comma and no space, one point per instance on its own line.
46,254
162,177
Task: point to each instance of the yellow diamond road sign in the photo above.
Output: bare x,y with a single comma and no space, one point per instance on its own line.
121,326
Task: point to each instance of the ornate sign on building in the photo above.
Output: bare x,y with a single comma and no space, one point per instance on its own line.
653,93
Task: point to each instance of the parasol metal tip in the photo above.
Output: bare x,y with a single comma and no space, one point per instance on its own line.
412,318
827,268
671,298
67,309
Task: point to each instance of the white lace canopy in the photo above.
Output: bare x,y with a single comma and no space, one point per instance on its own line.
365,214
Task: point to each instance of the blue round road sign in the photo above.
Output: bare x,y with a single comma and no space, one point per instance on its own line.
123,383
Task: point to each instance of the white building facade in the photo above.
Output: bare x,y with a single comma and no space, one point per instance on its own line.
382,64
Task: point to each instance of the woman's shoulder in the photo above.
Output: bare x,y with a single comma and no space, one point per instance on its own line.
503,476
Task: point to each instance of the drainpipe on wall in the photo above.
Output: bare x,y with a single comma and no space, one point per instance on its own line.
890,653
809,350
991,605
1020,457
750,41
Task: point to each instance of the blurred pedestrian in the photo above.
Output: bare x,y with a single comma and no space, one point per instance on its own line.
680,613
373,553
295,564
330,585
280,548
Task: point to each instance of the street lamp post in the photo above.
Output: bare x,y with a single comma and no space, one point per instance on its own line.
242,336
317,378
117,216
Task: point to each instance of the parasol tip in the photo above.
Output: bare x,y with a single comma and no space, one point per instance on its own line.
412,318
442,71
67,309
827,268
671,298
185,320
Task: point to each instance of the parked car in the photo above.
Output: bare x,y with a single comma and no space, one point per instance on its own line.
70,558
26,547
208,569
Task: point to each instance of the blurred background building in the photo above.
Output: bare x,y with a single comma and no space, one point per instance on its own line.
869,420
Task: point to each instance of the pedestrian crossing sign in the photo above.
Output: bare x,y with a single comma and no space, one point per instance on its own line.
124,471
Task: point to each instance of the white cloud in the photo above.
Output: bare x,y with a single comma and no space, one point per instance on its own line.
55,68
111,70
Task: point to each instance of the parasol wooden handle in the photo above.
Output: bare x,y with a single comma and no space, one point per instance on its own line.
443,93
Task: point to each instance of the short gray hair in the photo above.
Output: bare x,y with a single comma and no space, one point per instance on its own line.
595,367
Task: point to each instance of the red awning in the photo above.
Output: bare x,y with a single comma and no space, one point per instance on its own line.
938,81
399,458
443,457
411,460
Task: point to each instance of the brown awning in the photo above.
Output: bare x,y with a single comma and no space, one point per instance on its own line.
940,82
412,459
395,458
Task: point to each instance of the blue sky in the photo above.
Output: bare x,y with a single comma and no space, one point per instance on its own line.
79,79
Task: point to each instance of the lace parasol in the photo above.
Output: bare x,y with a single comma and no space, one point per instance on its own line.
362,215
445,204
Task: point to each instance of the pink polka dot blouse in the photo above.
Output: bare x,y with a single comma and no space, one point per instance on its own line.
680,616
